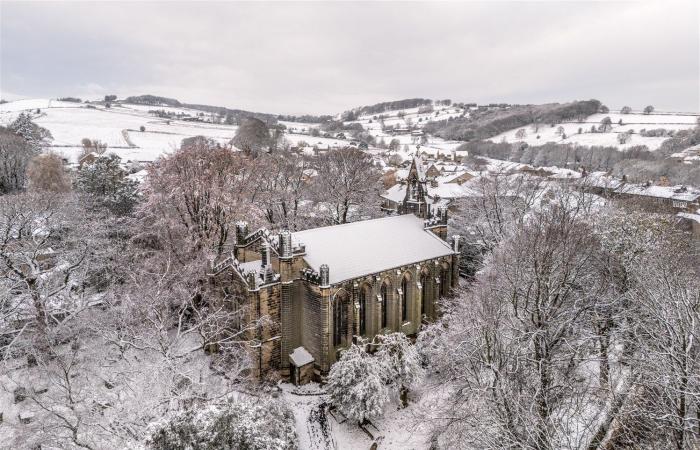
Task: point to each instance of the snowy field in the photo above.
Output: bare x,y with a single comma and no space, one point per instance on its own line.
634,122
118,127
411,116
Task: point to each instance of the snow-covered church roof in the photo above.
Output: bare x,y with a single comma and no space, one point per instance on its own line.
362,248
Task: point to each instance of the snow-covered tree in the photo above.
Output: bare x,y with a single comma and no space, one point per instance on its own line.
31,132
256,424
281,185
15,154
401,361
357,384
511,348
346,185
104,183
195,194
666,301
44,250
520,134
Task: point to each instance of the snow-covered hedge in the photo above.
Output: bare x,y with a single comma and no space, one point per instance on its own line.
236,424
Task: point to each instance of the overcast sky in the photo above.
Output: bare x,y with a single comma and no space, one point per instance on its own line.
329,57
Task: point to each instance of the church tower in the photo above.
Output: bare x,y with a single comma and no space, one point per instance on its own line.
416,199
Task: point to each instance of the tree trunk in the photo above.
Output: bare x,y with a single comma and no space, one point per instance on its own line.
604,361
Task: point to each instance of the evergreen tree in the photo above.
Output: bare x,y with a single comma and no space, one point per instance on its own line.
105,183
261,424
31,132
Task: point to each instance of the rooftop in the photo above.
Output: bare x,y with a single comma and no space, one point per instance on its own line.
362,248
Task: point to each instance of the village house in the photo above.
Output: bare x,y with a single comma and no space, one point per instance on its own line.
325,287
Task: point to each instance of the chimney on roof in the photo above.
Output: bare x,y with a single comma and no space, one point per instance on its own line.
241,231
285,243
265,253
325,275
455,243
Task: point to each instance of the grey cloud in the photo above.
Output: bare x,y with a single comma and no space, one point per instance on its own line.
327,57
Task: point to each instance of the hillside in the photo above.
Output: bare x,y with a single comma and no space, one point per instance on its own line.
484,123
118,127
579,132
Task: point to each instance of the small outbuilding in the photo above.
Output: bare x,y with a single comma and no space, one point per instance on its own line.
301,365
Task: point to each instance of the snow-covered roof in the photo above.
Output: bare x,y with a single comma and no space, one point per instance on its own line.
420,170
689,216
452,190
443,190
396,193
138,176
301,357
601,180
362,248
680,193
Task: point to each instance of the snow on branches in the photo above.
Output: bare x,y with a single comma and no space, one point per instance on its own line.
361,384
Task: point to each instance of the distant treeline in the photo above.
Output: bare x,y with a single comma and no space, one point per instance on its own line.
305,118
70,99
233,115
489,123
386,106
152,100
638,163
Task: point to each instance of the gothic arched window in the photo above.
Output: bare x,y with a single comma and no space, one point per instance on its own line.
404,299
340,319
385,301
363,308
423,293
444,280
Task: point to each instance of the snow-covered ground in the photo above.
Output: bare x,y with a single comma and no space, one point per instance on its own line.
399,428
411,116
630,122
118,127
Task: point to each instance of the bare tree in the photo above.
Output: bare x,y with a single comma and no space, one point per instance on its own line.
47,173
195,194
15,154
522,334
347,185
43,250
282,183
666,297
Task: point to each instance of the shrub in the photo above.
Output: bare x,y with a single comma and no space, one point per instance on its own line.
258,424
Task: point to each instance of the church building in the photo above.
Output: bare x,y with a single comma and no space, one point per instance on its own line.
324,287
